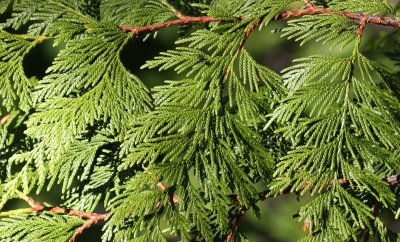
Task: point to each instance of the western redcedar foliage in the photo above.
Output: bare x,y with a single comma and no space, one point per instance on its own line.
183,159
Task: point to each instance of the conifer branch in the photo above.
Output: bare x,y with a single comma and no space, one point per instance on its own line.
248,32
92,218
183,19
239,217
392,180
84,226
311,9
181,138
236,221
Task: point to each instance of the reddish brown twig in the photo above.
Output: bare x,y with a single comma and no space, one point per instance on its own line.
307,225
248,32
236,223
5,118
361,28
183,19
162,187
92,218
241,45
311,9
84,226
37,207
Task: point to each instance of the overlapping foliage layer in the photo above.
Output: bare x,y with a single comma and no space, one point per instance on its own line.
328,125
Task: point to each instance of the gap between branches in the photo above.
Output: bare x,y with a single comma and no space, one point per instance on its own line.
391,180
